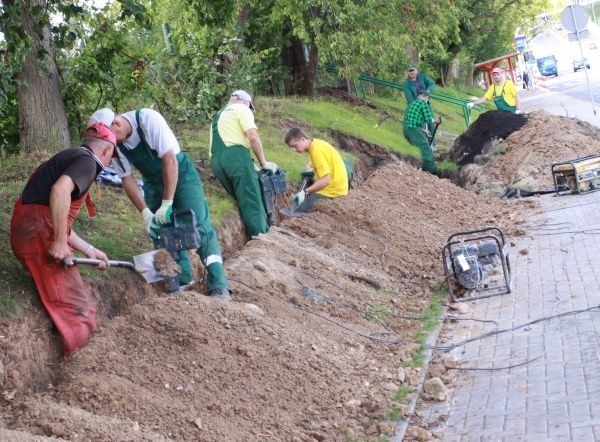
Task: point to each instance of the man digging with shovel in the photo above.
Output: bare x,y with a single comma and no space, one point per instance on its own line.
418,114
41,234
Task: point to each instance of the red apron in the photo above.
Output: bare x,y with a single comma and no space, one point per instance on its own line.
61,289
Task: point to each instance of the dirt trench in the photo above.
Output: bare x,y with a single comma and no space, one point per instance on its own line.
315,347
29,345
30,352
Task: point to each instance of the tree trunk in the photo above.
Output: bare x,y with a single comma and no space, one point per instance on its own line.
301,66
452,72
42,116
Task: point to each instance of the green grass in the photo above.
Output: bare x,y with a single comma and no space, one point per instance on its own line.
430,319
399,397
358,122
220,204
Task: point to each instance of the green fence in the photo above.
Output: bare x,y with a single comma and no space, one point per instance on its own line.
362,79
460,102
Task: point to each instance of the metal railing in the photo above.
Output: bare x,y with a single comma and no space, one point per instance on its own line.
363,78
460,102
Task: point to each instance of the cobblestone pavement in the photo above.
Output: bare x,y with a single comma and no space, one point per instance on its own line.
553,393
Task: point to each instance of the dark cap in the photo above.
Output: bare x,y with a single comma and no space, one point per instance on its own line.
411,67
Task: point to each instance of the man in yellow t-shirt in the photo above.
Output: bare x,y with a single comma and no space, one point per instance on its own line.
502,92
330,170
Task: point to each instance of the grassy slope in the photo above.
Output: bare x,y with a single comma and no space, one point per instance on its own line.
118,229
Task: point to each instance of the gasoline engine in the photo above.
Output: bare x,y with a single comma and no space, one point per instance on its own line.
477,261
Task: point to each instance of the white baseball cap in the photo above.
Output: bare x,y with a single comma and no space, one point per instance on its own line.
243,95
104,115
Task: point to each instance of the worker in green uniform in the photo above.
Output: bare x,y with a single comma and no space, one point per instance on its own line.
418,113
233,134
502,92
171,182
415,83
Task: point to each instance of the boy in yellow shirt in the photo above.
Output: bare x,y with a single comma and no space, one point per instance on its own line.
331,174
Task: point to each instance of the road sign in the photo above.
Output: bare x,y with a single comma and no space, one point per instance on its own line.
572,36
574,18
520,43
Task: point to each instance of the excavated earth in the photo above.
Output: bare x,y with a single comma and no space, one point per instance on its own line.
503,150
315,346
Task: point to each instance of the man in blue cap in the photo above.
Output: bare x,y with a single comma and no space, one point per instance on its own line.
415,83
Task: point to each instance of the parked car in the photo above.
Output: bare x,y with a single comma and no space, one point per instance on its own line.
580,63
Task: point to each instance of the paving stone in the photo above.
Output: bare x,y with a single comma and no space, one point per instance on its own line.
555,397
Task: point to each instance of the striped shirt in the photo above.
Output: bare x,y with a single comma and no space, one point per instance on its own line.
417,113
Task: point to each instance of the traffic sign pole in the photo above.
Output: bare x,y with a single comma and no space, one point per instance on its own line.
575,21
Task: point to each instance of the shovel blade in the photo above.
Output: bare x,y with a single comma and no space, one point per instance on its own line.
144,265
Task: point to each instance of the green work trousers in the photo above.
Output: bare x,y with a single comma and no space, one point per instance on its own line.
189,194
233,167
416,137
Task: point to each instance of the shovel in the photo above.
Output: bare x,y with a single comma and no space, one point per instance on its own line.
142,264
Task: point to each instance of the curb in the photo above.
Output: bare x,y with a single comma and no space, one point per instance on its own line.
402,424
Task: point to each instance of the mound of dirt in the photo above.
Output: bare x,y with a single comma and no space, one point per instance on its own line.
491,125
309,350
525,158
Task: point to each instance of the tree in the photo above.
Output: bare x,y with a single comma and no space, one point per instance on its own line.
42,117
31,65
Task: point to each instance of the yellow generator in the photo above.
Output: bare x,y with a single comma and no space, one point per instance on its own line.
580,175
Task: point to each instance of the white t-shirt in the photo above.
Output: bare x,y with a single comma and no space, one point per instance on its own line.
157,132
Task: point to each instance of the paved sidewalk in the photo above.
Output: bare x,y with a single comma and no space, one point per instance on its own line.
555,394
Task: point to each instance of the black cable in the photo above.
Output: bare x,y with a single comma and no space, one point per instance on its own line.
516,327
570,207
574,232
453,346
454,318
544,336
366,315
202,228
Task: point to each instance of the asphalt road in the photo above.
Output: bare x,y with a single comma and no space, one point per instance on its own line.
568,93
574,84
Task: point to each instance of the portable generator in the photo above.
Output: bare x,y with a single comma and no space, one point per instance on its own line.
477,261
580,175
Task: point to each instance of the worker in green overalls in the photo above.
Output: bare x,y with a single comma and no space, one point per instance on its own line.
171,182
417,115
233,134
502,92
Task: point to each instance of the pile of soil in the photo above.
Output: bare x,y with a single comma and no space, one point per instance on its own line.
315,346
490,126
525,158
